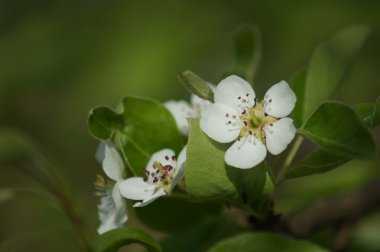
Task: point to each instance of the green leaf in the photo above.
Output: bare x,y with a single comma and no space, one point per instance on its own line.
103,122
173,209
196,85
369,113
208,177
113,240
298,85
144,127
317,162
337,129
247,48
258,242
329,64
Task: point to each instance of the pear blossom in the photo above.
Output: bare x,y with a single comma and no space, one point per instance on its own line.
112,210
254,126
163,172
181,110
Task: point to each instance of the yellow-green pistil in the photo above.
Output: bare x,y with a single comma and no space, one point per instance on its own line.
255,120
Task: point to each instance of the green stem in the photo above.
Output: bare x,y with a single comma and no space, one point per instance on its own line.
288,161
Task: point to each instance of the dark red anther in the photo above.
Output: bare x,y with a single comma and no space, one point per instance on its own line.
243,112
247,94
250,132
245,123
166,157
265,114
155,180
227,115
271,124
239,97
163,176
270,100
174,158
145,180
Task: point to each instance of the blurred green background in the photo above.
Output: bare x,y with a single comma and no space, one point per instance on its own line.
58,59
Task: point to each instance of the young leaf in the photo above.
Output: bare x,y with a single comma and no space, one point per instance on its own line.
144,127
196,85
208,177
205,171
337,129
113,240
329,64
247,48
103,122
257,242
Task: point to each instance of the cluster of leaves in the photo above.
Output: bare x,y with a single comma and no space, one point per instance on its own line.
341,133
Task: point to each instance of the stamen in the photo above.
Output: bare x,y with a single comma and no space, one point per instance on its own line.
166,157
174,158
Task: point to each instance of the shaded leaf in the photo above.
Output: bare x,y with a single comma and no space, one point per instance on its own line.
369,113
337,129
329,64
103,122
298,85
247,49
258,242
196,85
113,240
144,127
174,209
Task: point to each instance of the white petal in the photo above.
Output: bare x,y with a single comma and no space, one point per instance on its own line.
120,206
246,153
136,189
165,157
279,135
113,165
280,100
152,198
181,167
233,91
180,111
215,123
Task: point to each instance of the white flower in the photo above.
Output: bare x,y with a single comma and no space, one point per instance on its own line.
255,125
181,110
112,210
163,172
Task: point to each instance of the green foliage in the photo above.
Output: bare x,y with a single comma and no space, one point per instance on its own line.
369,113
196,85
208,177
182,214
329,64
13,145
337,129
103,122
144,127
258,242
298,85
113,240
247,48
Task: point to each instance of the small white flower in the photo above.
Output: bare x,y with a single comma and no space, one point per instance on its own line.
112,210
162,173
255,125
181,110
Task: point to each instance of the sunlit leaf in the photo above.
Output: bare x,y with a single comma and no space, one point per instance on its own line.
337,129
258,242
196,85
113,240
329,64
103,122
208,177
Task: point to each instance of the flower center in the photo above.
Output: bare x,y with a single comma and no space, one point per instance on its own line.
255,120
102,186
161,175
